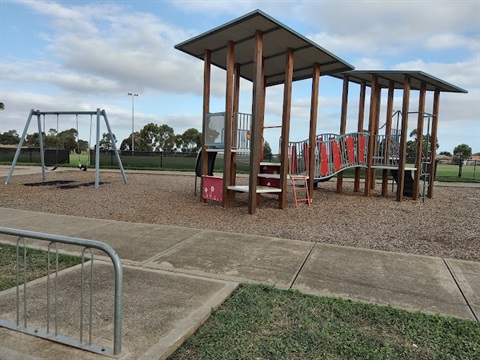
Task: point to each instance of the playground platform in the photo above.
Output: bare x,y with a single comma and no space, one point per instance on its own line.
174,276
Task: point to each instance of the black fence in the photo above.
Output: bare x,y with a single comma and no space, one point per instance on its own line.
146,159
32,155
162,160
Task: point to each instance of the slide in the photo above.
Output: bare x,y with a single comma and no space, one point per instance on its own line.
211,163
407,183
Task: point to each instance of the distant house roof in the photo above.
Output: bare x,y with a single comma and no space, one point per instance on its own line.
277,38
443,157
398,78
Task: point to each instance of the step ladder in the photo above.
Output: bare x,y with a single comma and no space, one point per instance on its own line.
300,187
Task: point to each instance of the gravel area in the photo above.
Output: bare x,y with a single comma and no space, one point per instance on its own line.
446,226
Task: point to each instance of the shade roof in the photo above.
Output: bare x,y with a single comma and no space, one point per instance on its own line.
398,77
277,38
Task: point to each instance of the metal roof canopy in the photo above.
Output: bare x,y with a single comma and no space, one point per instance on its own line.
277,38
398,77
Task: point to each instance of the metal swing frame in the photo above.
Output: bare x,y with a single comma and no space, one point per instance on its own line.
99,113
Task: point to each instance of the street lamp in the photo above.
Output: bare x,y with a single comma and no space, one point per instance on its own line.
2,107
133,119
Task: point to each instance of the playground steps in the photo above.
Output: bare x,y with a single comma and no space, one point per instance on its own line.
269,175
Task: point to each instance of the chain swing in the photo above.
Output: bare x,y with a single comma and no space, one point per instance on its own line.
82,167
44,135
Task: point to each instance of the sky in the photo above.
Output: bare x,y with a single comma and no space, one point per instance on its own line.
83,55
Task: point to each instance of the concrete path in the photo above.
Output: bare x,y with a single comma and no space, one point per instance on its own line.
174,276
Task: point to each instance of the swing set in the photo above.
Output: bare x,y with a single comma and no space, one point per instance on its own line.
41,130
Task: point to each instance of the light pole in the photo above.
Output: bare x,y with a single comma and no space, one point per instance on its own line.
2,107
133,120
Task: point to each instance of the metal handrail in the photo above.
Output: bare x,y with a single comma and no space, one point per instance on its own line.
87,245
299,160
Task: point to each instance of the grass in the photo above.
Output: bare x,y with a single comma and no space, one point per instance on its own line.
262,322
445,172
36,264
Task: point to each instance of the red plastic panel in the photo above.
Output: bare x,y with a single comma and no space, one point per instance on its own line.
350,150
337,164
324,161
213,188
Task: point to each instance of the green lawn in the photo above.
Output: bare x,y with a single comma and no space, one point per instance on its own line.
445,172
262,322
36,264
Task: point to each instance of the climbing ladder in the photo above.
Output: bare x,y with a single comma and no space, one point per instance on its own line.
302,188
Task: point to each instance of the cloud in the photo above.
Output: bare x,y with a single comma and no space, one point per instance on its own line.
112,49
89,55
464,73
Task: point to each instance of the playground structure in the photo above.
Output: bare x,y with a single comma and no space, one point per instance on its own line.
41,130
260,49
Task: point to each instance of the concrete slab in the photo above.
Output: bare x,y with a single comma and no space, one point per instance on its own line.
52,223
237,257
467,275
9,214
160,311
406,281
138,242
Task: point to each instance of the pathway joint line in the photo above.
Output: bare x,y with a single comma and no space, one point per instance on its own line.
174,247
452,274
302,266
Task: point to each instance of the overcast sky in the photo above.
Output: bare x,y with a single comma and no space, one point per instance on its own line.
83,55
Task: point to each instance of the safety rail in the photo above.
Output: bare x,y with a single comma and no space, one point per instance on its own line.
333,154
386,152
215,134
87,245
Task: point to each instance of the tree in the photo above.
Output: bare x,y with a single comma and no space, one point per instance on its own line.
33,140
461,153
83,145
267,151
67,139
106,142
192,140
166,138
179,144
127,142
10,137
446,153
148,135
411,149
157,138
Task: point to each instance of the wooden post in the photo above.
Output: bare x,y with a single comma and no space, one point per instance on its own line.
227,151
388,135
378,96
207,65
403,138
236,99
287,105
361,116
343,129
262,119
257,100
433,144
312,140
419,147
371,138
